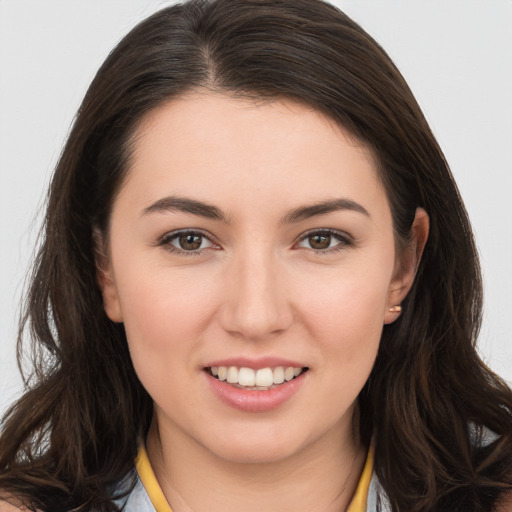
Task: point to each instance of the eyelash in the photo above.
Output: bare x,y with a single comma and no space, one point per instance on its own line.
166,240
343,239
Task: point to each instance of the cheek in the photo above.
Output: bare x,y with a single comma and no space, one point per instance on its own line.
348,302
165,316
345,317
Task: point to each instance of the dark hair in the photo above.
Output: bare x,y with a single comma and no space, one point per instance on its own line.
429,399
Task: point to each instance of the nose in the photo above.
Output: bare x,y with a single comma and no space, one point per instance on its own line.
256,304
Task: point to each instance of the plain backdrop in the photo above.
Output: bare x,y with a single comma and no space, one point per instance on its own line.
455,54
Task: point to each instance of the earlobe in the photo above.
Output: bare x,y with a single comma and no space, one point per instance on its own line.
392,313
105,279
407,266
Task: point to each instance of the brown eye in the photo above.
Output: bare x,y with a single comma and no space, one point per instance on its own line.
190,242
186,242
320,241
325,241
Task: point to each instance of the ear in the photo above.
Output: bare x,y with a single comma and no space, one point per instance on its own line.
406,266
105,278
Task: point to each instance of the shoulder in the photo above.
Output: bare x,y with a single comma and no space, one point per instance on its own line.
12,504
9,507
505,504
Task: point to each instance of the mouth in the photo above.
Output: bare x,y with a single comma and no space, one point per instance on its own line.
262,379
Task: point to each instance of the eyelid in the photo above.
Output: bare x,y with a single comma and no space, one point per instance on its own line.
345,240
165,241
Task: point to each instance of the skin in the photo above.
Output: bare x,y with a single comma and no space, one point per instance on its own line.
257,287
7,507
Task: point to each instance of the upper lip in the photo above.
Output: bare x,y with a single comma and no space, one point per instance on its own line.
255,364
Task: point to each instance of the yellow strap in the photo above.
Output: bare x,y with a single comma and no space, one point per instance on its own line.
359,501
150,483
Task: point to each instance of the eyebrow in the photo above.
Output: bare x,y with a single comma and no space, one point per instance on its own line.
187,205
322,208
209,211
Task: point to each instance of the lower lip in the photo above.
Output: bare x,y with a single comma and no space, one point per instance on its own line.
255,401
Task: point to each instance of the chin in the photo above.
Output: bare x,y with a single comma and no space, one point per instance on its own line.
253,454
258,448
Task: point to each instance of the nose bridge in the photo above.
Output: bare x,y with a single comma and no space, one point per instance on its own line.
257,304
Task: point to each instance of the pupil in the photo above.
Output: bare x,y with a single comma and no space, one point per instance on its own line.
190,242
320,241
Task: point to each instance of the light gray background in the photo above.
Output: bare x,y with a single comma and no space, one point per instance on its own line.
455,54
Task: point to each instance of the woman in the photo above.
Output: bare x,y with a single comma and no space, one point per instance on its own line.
249,285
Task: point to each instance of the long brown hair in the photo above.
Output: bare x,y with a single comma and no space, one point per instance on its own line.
429,399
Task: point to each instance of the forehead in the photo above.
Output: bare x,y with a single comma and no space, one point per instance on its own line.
191,117
209,144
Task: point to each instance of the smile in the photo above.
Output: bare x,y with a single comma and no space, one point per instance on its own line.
257,380
263,388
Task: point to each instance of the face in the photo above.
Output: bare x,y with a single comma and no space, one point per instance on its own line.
251,243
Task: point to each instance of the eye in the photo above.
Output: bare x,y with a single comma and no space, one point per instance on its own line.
186,242
325,240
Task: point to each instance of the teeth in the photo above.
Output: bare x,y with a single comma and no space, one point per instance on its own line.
289,373
246,377
264,377
232,375
261,379
279,375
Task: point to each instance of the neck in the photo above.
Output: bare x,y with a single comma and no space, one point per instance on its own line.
321,477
